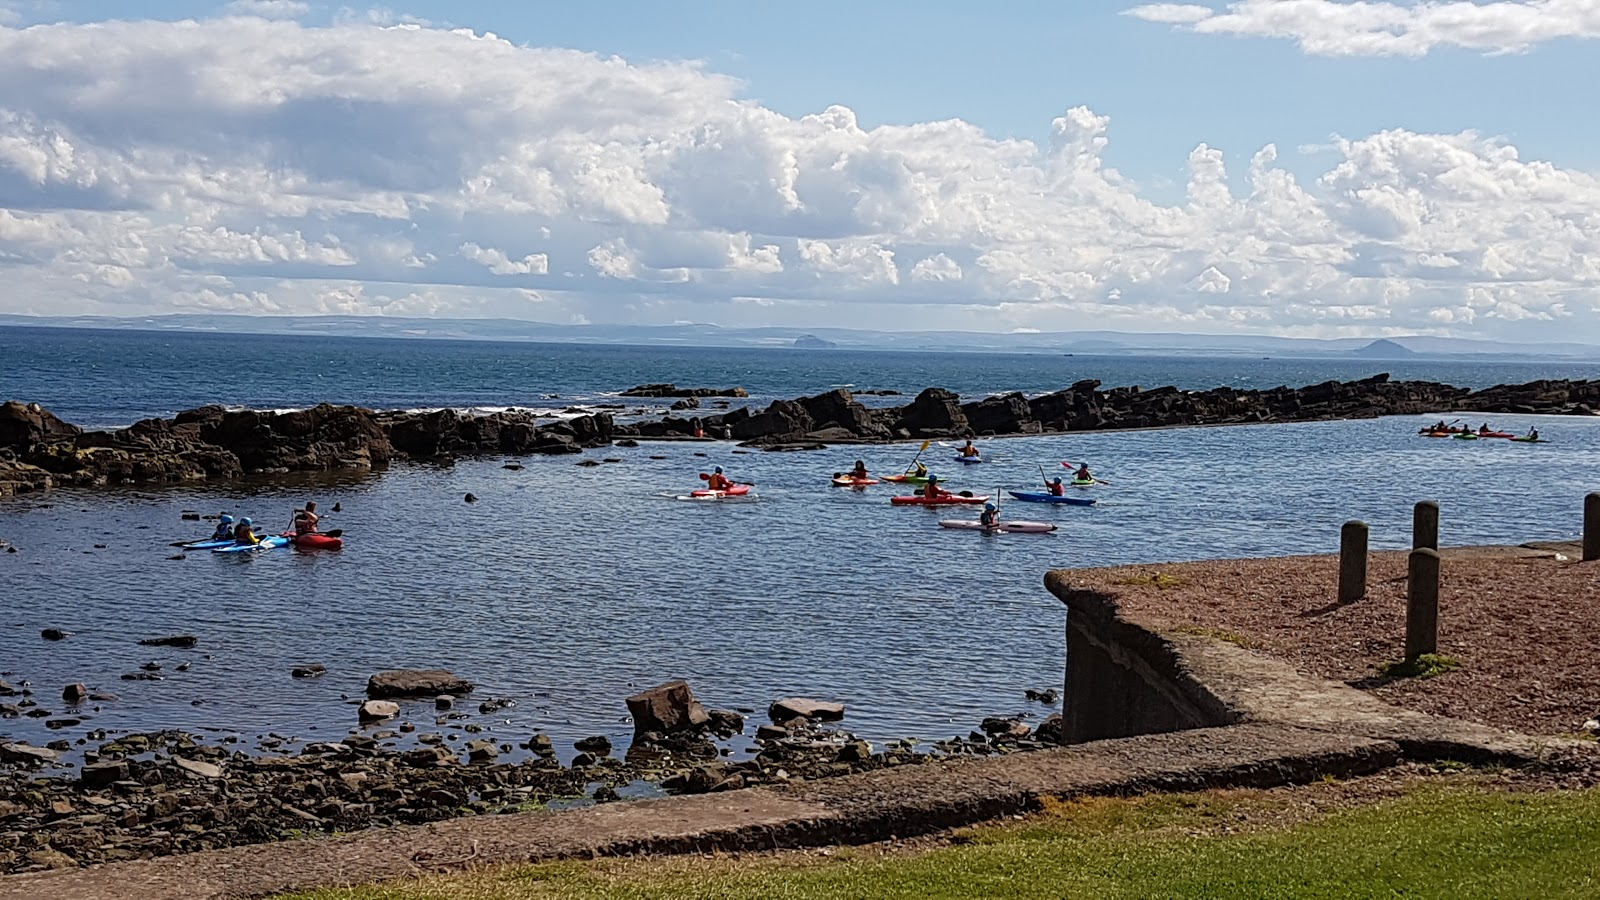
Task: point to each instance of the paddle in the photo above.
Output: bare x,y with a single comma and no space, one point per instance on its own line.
1093,480
913,464
706,477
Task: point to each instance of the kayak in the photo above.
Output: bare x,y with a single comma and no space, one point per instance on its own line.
1002,528
267,543
950,500
315,541
1529,440
738,490
207,545
1495,434
847,481
1440,433
1045,497
1465,436
1084,482
969,460
907,479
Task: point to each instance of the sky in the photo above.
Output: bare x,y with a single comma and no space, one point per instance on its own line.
1315,168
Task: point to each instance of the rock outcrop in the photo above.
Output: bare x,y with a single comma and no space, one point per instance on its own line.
837,417
39,451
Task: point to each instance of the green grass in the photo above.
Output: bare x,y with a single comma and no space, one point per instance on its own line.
1428,665
1434,842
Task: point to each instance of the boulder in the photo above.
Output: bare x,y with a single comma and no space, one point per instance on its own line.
177,640
667,708
935,412
24,424
482,751
1049,731
26,754
598,744
379,710
1006,414
783,420
103,773
416,683
308,671
75,693
198,768
801,708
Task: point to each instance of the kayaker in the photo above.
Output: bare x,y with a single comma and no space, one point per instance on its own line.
305,520
1056,488
990,517
224,530
969,451
244,533
1083,473
718,481
1484,429
1533,434
919,470
860,471
932,490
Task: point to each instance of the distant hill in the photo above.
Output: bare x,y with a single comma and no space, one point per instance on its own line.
812,342
1384,349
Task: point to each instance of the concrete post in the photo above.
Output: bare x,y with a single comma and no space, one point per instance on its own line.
1591,527
1422,603
1352,561
1425,526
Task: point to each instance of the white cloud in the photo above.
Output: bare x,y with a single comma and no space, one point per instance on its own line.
270,167
269,9
1341,28
499,263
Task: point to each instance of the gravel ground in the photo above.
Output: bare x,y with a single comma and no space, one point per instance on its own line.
1521,626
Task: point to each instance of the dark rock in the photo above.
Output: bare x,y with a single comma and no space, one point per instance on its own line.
542,745
598,744
378,710
1049,731
725,722
102,774
482,751
1001,727
416,683
771,732
177,640
672,390
472,498
55,634
935,412
308,671
26,754
23,425
75,693
666,708
855,751
582,761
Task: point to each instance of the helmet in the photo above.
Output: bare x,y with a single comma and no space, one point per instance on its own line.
245,521
719,470
225,519
1058,479
990,506
932,479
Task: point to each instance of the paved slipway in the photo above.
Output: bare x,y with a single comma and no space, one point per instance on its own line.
1287,728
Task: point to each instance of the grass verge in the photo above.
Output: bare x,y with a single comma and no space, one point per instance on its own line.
1434,841
1428,665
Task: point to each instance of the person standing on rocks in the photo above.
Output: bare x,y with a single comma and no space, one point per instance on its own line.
306,520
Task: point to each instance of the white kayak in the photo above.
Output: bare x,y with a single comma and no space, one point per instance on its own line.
1003,527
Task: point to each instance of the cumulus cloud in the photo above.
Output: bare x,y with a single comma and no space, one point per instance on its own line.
1343,28
264,166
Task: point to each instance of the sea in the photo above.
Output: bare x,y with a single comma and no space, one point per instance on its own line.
566,588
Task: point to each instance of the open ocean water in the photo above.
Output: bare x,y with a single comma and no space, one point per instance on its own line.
567,588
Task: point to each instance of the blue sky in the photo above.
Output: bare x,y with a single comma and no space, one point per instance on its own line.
1372,235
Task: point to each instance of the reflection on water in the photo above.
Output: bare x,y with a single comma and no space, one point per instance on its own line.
568,588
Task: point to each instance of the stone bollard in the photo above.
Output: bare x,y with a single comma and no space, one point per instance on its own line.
1422,603
1425,526
1352,561
1591,527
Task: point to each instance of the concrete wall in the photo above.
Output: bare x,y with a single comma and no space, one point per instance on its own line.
1123,680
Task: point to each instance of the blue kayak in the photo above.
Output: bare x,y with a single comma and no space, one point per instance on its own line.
267,543
1043,497
207,545
969,460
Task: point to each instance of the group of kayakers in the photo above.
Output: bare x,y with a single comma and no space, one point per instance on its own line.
242,530
1443,428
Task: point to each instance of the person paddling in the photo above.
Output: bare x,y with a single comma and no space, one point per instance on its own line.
306,520
969,451
224,530
918,470
718,481
859,473
1055,487
1533,434
991,516
1083,473
244,533
932,490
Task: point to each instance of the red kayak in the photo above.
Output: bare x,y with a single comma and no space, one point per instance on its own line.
944,500
313,540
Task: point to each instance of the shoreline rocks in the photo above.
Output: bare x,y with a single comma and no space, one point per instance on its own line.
838,417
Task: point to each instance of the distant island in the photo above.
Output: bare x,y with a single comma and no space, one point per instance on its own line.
812,342
1385,349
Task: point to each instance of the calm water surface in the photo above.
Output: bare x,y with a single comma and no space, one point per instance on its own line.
567,588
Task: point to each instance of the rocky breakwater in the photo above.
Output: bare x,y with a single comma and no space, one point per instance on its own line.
837,417
38,450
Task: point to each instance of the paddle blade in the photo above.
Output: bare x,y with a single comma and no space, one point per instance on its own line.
337,532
